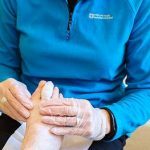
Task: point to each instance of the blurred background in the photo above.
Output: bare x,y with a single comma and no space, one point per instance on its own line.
140,140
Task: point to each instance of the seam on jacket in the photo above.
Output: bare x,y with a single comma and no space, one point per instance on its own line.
130,4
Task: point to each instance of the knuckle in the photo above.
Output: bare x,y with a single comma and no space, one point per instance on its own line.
14,89
85,102
22,84
11,81
15,94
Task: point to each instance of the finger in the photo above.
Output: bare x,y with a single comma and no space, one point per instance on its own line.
37,93
62,102
17,105
55,93
21,95
59,111
20,85
67,131
47,91
25,87
13,113
61,96
60,121
7,111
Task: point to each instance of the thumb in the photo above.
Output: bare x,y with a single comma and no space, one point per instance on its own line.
37,93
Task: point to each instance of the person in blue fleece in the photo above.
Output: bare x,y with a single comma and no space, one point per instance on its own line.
86,48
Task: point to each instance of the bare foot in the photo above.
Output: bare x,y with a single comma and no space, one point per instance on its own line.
37,136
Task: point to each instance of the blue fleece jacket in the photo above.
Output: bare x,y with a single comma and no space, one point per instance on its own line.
86,53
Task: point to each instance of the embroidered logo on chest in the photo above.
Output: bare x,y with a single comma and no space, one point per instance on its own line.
100,16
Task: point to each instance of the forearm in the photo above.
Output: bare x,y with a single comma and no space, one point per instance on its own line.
131,112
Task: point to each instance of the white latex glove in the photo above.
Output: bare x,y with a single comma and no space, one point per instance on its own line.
15,99
75,117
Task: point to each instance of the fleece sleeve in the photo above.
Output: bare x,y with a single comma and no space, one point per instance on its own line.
9,39
133,110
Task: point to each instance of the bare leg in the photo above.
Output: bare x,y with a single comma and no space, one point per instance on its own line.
37,134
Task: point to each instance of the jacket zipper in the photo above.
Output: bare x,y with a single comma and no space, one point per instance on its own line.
69,25
71,10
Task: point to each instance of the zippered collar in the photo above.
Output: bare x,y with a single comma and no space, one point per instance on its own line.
71,6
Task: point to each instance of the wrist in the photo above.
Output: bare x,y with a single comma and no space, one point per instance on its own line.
113,125
108,120
102,124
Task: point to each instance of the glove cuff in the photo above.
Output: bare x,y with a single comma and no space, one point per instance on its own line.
113,126
101,124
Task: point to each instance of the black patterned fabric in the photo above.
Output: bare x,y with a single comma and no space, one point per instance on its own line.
71,4
7,128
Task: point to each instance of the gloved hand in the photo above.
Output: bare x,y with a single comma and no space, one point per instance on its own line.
75,117
15,99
